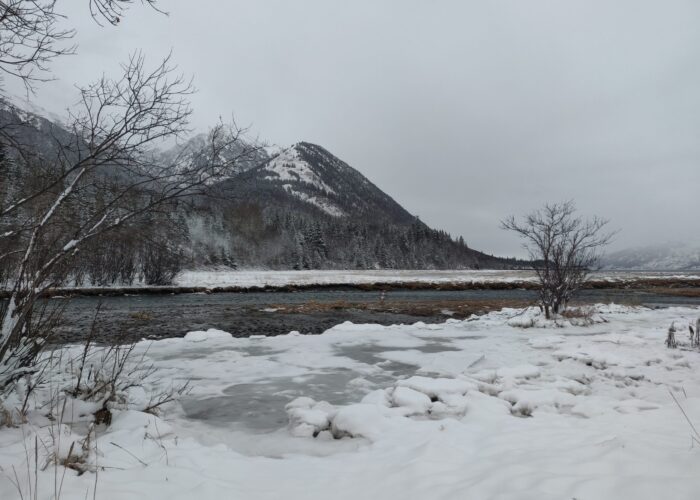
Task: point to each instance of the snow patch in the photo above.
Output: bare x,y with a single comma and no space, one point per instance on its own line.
211,334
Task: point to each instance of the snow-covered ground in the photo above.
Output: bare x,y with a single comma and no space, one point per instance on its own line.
249,278
213,278
504,405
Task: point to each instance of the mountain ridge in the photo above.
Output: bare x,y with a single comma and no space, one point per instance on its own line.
297,208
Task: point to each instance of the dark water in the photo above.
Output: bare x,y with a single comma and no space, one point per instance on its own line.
243,314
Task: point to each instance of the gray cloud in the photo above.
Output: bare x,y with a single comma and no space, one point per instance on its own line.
463,111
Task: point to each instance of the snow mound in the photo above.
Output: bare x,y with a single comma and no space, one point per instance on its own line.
139,422
308,418
436,388
361,420
433,398
211,334
414,402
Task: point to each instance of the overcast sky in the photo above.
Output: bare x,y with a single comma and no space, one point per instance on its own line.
463,111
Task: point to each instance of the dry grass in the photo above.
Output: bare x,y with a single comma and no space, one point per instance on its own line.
580,316
459,308
678,292
6,418
141,315
578,313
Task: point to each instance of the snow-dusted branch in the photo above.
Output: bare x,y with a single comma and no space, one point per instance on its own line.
105,177
33,34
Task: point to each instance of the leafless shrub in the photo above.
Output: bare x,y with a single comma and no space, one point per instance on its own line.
101,375
105,374
563,248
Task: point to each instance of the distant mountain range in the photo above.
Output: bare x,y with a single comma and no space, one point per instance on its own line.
669,257
294,208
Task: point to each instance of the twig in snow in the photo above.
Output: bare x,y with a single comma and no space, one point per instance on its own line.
696,437
127,451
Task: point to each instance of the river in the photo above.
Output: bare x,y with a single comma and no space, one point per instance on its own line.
134,317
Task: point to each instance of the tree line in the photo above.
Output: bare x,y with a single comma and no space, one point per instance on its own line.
250,235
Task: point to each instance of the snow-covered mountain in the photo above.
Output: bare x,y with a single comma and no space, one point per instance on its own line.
196,152
671,257
302,177
30,126
309,174
306,209
299,207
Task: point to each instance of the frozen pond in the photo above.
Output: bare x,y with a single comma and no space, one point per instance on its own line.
260,406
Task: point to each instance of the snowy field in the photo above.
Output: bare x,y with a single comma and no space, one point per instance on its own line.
280,278
505,405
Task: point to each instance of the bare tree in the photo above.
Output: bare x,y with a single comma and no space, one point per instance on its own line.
105,176
563,247
32,34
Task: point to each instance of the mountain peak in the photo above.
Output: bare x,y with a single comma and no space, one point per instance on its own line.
310,174
291,165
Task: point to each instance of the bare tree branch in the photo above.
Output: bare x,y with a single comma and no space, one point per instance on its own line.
103,179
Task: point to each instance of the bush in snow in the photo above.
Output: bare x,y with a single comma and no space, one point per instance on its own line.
91,384
533,317
110,377
563,249
671,337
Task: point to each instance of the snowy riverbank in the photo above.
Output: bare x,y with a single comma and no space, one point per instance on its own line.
250,278
504,405
222,280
